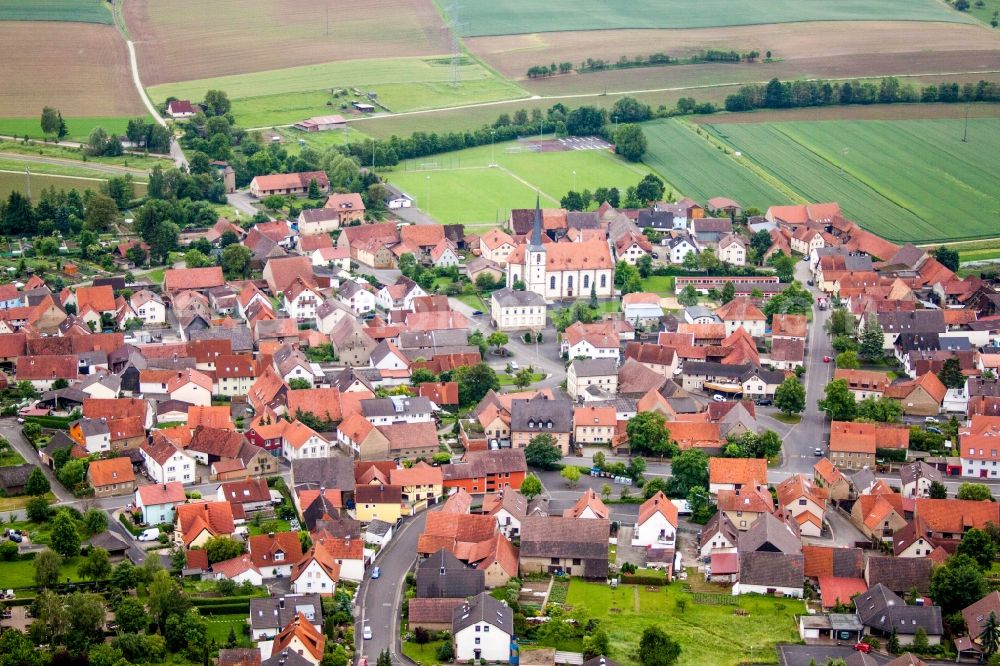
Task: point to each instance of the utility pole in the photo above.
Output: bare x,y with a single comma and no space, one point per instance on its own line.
27,180
965,132
493,153
373,155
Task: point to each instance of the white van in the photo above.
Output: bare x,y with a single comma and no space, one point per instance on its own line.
152,534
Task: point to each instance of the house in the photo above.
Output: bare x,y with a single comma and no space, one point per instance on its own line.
744,506
509,508
318,572
899,574
357,296
299,441
92,435
742,313
158,502
269,615
275,553
561,270
661,359
246,496
176,280
347,551
916,479
148,307
444,576
43,371
977,615
320,220
165,463
280,273
718,536
198,522
948,520
512,310
732,250
642,310
397,199
772,573
239,569
496,246
594,425
827,476
922,396
588,507
111,476
864,383
421,484
735,473
884,613
978,450
656,524
486,471
801,501
301,300
180,109
482,629
378,502
302,638
531,417
600,373
288,183
789,326
576,546
852,445
597,340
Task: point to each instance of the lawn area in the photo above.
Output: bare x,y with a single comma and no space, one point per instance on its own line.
74,170
11,180
474,301
21,573
698,169
659,284
939,196
462,188
20,501
79,128
10,458
508,380
274,525
790,419
67,153
425,654
285,96
219,626
709,635
82,11
526,16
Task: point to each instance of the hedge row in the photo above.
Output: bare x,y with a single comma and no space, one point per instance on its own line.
52,422
221,601
643,580
230,609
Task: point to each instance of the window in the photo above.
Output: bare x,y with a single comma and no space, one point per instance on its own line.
586,282
552,282
604,280
477,637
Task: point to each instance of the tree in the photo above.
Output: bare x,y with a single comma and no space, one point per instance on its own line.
839,403
872,343
938,490
606,491
125,576
840,323
728,292
63,130
790,396
474,382
630,143
572,475
37,483
645,267
948,257
880,410
973,491
599,460
627,278
235,261
531,487
65,538
700,503
760,242
892,645
186,631
989,637
596,644
37,509
196,259
95,520
794,299
647,434
688,470
951,373
657,649
445,652
50,120
72,473
957,583
314,192
523,378
497,339
97,565
16,649
299,384
216,103
847,360
543,452
688,295
165,598
101,212
650,188
630,110
48,564
979,546
222,548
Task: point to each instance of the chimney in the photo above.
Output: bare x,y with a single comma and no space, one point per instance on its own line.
164,487
270,535
281,602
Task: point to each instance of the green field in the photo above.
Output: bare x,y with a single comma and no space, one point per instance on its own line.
509,17
286,96
659,284
76,154
709,635
463,189
700,170
908,180
79,128
81,11
13,180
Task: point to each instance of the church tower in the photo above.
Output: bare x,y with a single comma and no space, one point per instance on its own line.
535,256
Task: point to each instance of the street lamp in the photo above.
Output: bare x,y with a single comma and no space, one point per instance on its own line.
428,193
574,180
493,154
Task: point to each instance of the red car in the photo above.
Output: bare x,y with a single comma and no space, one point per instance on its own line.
827,359
863,647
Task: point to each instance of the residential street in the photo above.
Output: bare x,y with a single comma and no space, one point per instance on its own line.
11,429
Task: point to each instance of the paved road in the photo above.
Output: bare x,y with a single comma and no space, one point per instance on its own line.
11,429
242,201
380,600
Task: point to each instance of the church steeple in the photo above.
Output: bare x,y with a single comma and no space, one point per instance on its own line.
536,230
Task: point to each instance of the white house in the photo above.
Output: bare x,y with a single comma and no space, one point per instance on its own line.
679,247
978,447
378,533
482,629
333,257
330,313
656,524
148,307
718,536
239,569
399,295
598,340
300,441
742,313
300,300
192,387
93,434
733,250
357,296
158,502
180,109
444,255
387,358
916,479
496,245
517,310
275,553
165,463
642,309
316,573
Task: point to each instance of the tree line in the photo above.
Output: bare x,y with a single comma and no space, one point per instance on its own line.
658,59
777,94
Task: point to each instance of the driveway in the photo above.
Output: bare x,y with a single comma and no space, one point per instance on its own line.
11,429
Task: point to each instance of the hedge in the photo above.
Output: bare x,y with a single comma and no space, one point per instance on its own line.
892,455
629,579
230,609
51,422
221,601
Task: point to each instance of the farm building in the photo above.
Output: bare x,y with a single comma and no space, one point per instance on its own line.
321,124
180,108
288,183
397,198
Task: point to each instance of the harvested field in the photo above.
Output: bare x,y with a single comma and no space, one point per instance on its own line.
82,11
854,112
181,40
948,190
510,17
81,69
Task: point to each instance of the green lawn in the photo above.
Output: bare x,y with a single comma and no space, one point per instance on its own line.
77,170
79,128
81,11
508,380
22,572
942,193
462,188
285,96
700,170
474,301
67,153
275,525
15,179
709,635
10,458
425,654
219,626
20,501
659,284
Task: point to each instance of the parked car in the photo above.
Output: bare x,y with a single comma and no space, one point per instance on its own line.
367,633
152,534
818,452
936,431
477,313
16,538
863,647
931,419
376,572
718,397
514,366
827,359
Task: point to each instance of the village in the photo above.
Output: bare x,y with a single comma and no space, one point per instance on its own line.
398,442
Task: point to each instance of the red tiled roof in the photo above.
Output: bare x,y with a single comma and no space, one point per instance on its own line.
842,590
265,547
287,181
740,471
100,298
110,471
162,493
176,279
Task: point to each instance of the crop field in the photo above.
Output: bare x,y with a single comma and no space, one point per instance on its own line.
80,11
803,49
510,17
911,180
402,84
463,189
183,40
11,181
81,69
855,112
700,170
79,128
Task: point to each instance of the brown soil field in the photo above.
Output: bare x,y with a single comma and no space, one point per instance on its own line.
181,40
873,112
82,69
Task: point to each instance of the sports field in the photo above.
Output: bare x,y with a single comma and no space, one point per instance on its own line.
463,189
185,40
910,180
402,84
508,17
82,11
81,69
700,170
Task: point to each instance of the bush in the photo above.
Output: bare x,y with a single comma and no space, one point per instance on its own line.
445,652
8,551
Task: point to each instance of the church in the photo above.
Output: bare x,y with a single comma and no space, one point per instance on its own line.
564,269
